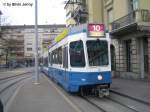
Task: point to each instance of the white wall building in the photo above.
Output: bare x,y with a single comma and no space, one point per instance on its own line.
24,51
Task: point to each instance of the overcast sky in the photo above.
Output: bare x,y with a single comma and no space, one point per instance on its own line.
49,11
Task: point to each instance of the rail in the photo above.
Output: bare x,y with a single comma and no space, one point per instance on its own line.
130,97
9,77
8,85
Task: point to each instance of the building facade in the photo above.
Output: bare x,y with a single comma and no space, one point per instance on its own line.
128,23
21,41
84,11
2,51
129,27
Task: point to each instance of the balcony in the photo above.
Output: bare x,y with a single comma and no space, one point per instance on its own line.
130,22
17,52
80,14
19,39
81,11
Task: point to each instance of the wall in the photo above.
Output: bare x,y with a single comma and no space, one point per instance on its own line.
95,10
144,4
120,8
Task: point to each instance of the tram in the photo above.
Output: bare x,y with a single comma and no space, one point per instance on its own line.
79,60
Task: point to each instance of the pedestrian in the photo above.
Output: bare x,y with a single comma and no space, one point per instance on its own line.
1,106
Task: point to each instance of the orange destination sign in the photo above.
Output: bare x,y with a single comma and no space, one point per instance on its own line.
96,30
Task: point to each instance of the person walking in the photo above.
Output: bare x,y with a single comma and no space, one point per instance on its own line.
1,106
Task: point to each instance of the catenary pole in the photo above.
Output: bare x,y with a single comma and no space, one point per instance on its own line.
36,44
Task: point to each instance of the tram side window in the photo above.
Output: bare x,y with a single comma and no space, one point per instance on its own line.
53,57
56,56
77,58
50,58
59,52
46,61
65,57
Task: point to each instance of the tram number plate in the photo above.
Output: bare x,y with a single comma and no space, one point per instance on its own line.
96,30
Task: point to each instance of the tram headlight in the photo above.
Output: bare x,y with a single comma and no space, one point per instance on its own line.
100,77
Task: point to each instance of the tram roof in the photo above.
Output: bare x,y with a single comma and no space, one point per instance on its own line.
69,31
83,28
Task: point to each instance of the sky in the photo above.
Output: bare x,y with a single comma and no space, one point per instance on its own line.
20,12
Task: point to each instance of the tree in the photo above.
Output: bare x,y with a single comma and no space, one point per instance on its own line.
6,44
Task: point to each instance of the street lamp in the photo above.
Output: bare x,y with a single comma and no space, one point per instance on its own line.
36,44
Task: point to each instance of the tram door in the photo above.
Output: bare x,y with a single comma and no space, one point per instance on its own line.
65,61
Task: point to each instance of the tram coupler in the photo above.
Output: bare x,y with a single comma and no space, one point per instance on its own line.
102,91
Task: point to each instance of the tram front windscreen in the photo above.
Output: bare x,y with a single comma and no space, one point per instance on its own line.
97,52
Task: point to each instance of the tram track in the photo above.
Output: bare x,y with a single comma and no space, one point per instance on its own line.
2,89
8,85
93,104
103,103
127,106
130,97
129,101
112,103
102,108
9,77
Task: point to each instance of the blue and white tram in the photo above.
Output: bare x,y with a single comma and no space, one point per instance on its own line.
81,63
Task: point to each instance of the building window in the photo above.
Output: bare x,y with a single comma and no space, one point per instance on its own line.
83,2
20,36
29,43
128,55
133,5
109,17
113,57
29,49
146,63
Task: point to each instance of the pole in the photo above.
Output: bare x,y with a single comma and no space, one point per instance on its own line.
0,19
36,44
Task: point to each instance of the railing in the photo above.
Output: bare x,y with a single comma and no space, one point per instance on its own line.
141,15
81,10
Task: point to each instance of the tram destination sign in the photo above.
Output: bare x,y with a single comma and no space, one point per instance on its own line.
96,30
